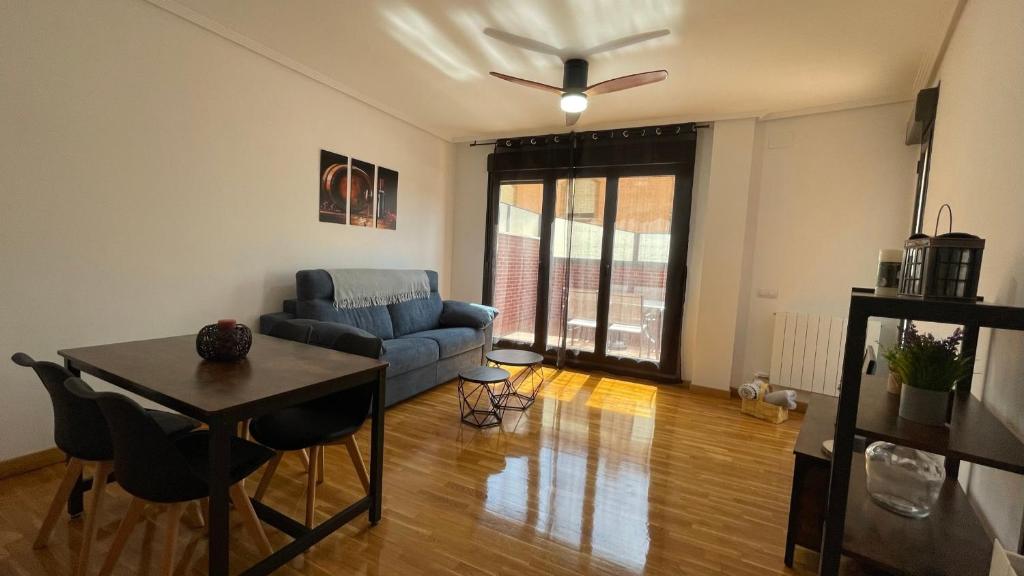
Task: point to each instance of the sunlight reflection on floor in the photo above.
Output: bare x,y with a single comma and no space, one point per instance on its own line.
563,386
624,397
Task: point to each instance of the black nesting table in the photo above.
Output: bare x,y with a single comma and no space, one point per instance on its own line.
531,362
478,404
276,374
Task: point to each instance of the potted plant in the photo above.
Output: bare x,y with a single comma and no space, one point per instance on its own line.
929,369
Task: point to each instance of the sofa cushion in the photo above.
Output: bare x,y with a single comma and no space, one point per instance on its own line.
416,315
452,341
373,319
405,354
466,314
346,338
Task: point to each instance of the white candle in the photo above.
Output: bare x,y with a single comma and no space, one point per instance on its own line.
888,278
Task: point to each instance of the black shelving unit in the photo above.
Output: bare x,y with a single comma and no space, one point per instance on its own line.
951,540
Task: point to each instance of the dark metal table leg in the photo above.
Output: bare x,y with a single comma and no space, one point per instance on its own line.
842,446
377,450
220,457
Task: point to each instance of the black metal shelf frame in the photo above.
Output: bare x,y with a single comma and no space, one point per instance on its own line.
864,304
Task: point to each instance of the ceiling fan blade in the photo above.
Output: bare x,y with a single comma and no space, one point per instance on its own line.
624,82
523,42
625,41
528,83
571,118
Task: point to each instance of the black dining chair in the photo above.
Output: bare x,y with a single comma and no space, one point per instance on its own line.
159,469
81,432
314,425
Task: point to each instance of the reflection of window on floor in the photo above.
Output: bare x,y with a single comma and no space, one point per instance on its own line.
554,490
517,260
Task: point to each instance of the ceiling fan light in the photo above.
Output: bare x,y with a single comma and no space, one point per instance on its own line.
574,102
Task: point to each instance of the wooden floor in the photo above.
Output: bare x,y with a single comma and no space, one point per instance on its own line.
600,476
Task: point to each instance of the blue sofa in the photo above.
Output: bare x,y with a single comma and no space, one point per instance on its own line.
426,341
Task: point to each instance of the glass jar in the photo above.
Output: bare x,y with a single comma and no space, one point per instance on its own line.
903,480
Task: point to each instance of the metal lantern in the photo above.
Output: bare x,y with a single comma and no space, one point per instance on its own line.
945,266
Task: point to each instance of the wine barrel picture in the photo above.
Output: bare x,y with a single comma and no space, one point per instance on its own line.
334,187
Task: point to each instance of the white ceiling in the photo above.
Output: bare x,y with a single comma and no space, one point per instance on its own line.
427,61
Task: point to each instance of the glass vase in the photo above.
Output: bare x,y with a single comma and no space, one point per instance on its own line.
903,480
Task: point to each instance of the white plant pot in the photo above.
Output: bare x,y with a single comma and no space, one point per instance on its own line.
924,406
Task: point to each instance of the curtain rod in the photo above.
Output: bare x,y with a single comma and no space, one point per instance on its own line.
696,125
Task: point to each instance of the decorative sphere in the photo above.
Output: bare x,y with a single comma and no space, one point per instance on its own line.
225,341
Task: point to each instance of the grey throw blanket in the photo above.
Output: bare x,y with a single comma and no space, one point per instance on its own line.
361,287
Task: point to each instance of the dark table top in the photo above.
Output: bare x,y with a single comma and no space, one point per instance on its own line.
276,373
513,357
484,375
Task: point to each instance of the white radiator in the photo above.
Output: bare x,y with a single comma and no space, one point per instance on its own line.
807,352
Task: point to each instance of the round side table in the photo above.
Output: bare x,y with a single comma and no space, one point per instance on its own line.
514,398
478,404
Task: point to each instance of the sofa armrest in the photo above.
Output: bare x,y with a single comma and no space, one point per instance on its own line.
267,321
345,338
466,314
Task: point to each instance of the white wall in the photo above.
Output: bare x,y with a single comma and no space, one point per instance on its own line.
830,190
156,177
724,222
977,169
469,212
695,250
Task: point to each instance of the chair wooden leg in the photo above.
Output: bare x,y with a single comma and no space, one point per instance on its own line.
99,488
252,522
268,474
357,461
314,459
71,473
304,454
174,512
321,465
243,430
195,514
204,511
131,518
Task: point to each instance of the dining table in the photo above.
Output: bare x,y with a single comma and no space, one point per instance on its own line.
275,374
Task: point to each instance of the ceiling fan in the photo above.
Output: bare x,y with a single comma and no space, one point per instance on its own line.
574,90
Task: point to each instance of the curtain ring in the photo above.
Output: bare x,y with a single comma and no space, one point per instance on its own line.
594,135
679,129
643,132
625,133
508,143
533,141
556,139
657,131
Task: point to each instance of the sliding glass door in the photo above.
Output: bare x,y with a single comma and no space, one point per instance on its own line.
593,264
642,242
517,260
575,263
